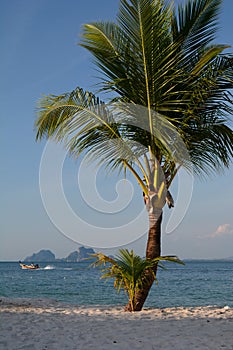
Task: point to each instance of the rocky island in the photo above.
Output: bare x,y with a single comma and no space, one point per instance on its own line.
48,256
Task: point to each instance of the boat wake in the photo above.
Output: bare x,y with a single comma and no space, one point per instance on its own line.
52,267
49,267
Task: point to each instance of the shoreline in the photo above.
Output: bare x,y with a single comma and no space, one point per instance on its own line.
46,324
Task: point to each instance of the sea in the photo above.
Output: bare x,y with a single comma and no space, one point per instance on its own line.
197,283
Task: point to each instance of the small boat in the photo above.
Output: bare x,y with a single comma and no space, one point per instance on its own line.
29,267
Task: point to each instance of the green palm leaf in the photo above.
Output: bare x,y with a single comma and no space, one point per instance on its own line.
130,271
194,26
160,59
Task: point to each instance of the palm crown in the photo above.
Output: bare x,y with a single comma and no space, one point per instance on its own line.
164,61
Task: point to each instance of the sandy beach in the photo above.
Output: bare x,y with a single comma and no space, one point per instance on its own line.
46,325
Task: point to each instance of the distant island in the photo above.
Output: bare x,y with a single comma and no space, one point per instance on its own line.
48,256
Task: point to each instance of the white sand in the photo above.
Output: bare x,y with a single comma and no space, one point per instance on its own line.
46,325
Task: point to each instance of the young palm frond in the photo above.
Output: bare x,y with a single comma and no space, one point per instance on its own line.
130,271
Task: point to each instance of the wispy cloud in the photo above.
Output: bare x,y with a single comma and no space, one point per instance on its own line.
222,230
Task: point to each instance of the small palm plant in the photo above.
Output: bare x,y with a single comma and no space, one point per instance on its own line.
131,272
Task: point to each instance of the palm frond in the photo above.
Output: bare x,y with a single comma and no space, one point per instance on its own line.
195,24
163,61
130,271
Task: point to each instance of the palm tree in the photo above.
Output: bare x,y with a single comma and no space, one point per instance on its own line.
130,271
169,86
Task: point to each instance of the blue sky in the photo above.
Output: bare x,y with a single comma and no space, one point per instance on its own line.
40,55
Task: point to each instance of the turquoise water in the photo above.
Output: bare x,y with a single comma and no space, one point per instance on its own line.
195,284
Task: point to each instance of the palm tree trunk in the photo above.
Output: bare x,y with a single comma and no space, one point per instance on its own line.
153,250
